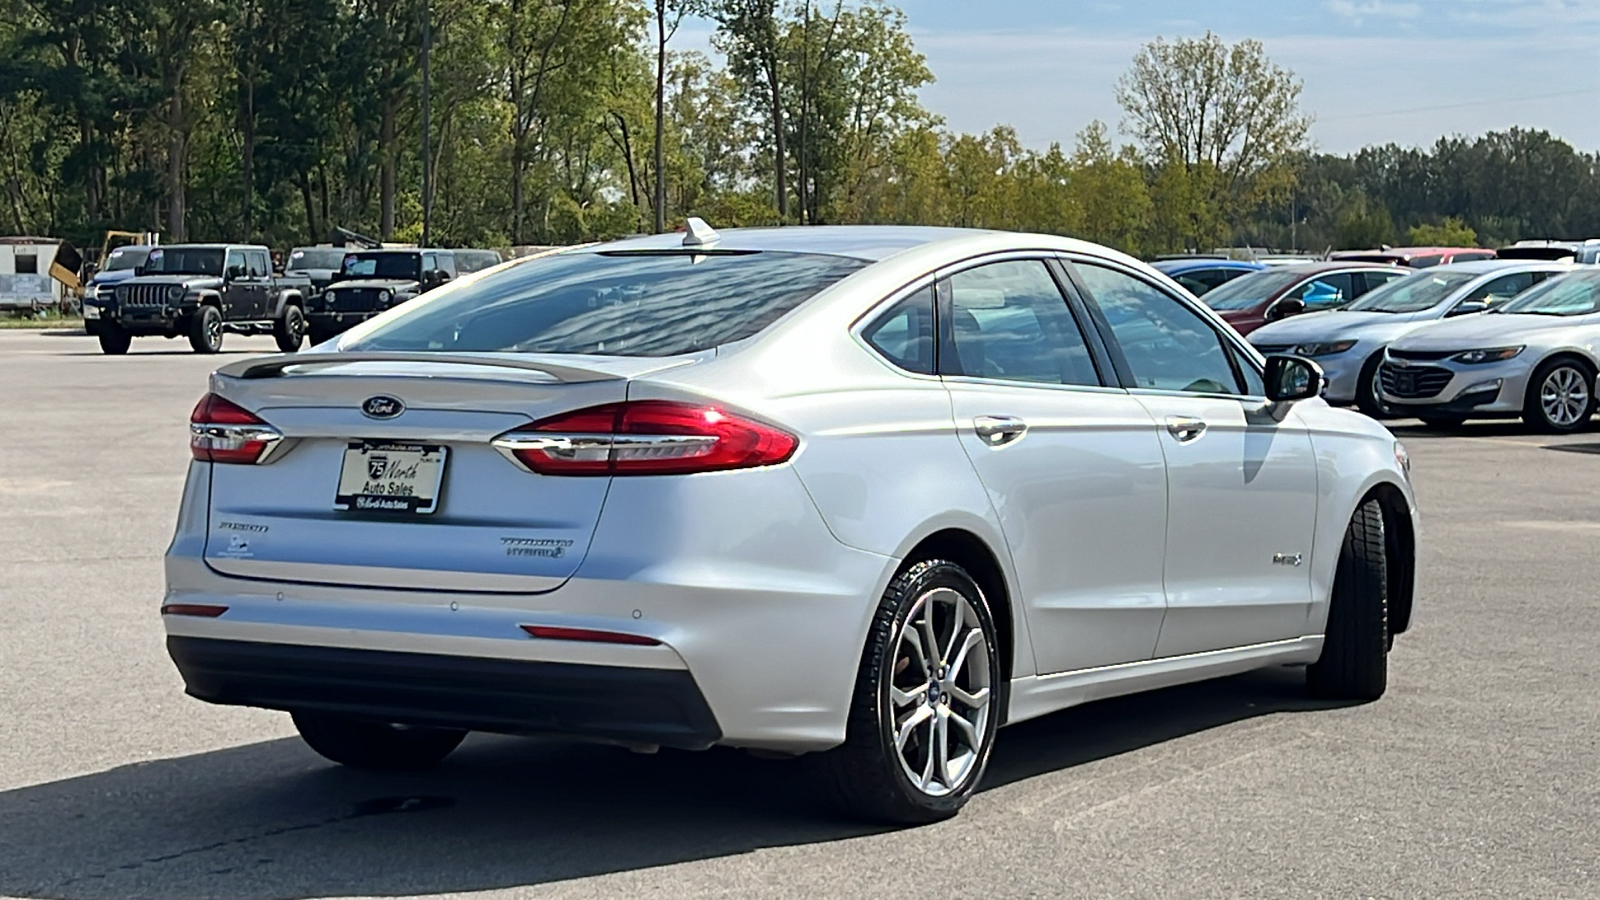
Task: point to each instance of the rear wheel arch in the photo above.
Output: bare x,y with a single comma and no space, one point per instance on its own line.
1400,546
973,553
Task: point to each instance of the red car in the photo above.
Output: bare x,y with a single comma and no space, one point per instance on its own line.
1269,295
1415,257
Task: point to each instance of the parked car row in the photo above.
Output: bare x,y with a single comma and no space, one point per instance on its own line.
203,291
1488,339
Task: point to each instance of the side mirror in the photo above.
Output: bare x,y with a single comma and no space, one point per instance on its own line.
1467,307
1283,309
1292,378
233,273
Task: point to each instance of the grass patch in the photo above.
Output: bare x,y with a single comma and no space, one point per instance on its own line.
53,323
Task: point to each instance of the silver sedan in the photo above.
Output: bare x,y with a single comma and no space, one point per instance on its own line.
1535,357
869,493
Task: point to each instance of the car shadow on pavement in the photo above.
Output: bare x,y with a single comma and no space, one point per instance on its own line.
270,819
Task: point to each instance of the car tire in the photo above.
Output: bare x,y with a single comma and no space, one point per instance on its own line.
1355,648
1443,423
1560,397
113,340
1367,398
376,745
289,330
903,709
205,330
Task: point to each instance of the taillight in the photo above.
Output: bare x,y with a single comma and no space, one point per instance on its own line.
222,431
645,437
589,635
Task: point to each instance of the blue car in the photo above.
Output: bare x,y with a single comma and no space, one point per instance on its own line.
1201,275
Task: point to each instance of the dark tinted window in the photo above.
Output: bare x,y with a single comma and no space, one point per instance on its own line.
126,258
185,260
1203,281
904,334
1498,290
378,264
1166,345
1009,322
1425,262
257,264
613,304
1375,279
302,258
476,260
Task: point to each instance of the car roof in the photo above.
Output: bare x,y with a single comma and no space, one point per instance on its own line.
868,242
1485,266
1181,266
1313,268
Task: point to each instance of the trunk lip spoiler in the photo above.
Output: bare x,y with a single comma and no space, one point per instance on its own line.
274,366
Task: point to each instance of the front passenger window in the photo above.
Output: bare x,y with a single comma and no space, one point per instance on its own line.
1166,345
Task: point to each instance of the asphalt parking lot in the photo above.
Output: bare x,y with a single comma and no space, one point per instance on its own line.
1478,775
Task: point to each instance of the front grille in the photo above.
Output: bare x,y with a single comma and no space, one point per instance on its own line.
352,300
1270,349
1413,382
143,294
1423,355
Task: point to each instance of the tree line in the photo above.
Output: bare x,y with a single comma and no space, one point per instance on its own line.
553,121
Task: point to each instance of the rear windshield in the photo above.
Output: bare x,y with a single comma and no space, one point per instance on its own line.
1243,293
383,265
1413,293
303,258
612,304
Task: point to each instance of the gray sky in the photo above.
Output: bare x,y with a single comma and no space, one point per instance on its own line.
1375,71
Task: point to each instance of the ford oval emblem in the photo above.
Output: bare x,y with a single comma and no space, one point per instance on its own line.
381,407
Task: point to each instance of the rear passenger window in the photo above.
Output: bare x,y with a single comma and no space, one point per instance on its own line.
904,334
1010,322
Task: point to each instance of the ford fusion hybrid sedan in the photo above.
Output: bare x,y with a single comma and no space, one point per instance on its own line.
1534,357
861,494
1348,343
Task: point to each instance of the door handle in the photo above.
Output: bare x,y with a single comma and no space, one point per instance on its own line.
998,430
1185,428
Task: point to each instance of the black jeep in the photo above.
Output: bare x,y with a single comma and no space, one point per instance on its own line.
202,291
371,281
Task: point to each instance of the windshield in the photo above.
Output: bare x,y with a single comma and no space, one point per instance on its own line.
612,304
476,260
184,261
406,266
303,258
1251,290
1413,293
126,258
1577,294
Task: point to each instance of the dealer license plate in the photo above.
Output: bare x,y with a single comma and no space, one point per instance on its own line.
390,477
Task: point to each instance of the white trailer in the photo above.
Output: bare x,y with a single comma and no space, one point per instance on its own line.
25,281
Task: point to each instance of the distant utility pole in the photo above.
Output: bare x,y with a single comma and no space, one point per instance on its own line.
427,126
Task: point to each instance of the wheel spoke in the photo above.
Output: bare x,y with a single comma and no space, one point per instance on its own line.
967,730
972,700
930,640
922,714
941,743
927,767
911,638
974,638
906,698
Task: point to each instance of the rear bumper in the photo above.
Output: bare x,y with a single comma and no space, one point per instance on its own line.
510,696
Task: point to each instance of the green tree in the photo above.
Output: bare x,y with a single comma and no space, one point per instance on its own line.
1452,232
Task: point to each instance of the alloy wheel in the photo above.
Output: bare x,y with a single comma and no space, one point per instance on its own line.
940,692
1564,396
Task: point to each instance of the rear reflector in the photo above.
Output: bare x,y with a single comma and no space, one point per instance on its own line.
646,437
204,610
590,635
222,431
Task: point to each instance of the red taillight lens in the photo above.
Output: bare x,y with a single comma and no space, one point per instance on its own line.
646,437
203,610
222,431
589,635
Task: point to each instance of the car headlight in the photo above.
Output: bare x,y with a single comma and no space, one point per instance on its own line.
1326,348
383,297
1475,357
175,292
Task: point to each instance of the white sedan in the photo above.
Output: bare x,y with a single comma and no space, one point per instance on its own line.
864,492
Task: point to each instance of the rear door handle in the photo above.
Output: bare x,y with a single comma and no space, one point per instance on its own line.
1185,428
998,430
